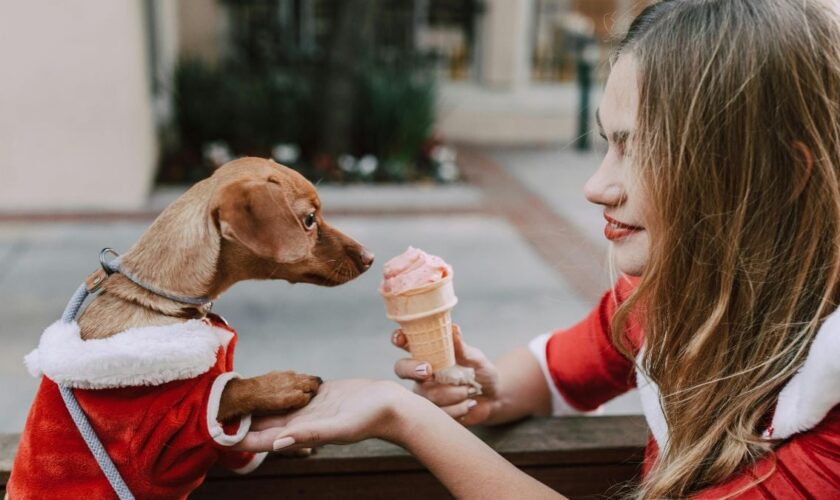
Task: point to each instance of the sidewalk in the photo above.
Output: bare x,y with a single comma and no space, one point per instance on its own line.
509,288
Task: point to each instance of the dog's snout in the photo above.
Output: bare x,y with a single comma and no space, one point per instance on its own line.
365,259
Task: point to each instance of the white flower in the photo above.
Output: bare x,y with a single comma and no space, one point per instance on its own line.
285,153
443,154
217,153
367,165
347,163
448,171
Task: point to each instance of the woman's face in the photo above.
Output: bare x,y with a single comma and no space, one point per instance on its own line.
615,185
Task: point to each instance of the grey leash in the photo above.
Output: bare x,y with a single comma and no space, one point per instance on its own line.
78,415
92,284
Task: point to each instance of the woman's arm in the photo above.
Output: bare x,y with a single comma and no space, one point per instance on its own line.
461,461
522,389
582,366
347,411
512,389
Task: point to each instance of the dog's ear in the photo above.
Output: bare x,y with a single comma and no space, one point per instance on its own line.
257,214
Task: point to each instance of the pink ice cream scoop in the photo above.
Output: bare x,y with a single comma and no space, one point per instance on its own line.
413,268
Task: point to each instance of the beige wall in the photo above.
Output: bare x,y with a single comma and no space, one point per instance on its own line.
202,26
506,43
76,126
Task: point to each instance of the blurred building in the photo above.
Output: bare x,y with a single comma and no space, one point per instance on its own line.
80,99
87,83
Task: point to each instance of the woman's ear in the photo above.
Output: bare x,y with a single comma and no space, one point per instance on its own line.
804,167
257,215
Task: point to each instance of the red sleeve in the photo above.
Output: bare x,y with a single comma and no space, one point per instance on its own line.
583,363
806,466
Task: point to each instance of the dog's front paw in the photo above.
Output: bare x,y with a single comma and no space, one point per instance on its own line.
283,391
274,392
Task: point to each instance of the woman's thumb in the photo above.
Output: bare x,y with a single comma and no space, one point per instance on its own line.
465,355
305,434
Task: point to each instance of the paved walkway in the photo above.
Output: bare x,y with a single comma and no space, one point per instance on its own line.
518,234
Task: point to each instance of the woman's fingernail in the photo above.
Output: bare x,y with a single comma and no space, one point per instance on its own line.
395,337
471,404
283,442
422,370
472,391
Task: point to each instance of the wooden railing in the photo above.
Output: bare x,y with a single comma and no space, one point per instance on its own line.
578,456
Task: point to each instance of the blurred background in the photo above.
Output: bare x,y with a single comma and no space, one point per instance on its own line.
463,127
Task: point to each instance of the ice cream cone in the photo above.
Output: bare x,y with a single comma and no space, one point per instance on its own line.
424,316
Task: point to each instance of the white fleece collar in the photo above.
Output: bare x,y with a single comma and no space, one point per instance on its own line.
150,355
804,401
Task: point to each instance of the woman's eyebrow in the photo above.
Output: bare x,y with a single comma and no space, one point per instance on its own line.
619,137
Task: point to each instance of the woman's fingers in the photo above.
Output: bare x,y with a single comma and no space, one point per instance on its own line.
309,434
291,437
399,340
257,441
260,423
443,394
411,369
460,410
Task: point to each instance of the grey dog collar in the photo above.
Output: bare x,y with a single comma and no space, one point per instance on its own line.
115,266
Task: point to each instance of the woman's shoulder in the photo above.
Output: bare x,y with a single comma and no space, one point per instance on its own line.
807,465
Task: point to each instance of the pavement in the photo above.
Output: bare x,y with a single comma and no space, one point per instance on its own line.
508,280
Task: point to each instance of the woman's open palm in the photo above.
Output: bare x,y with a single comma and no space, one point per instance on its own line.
343,411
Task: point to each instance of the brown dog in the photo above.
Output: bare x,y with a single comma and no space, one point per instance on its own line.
252,219
151,376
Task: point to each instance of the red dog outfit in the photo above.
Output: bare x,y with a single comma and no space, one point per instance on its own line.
151,394
584,369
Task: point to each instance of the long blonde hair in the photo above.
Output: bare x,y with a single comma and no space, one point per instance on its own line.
738,146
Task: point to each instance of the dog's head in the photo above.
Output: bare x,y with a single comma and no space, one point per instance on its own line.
269,218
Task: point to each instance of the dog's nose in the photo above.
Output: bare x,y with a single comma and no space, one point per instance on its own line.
366,258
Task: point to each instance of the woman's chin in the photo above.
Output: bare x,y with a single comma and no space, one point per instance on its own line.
630,261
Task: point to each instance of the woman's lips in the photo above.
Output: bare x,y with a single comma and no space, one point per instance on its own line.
615,230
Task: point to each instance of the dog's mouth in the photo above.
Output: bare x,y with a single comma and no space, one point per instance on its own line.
334,277
317,279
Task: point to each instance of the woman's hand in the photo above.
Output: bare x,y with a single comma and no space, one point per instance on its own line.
343,411
459,401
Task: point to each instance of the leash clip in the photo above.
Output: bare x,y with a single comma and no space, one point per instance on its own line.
107,265
96,279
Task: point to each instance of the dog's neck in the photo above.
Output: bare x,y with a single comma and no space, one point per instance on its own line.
178,254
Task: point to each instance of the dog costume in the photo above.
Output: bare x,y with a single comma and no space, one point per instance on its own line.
583,370
151,394
130,415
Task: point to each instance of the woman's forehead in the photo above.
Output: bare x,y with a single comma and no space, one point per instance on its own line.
620,101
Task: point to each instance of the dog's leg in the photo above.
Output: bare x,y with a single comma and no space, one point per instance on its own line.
270,393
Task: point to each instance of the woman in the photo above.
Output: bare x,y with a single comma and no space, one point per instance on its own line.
721,188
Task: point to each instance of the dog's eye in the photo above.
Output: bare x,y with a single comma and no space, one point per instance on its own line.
309,222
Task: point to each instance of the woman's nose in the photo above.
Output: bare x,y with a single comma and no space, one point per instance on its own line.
604,188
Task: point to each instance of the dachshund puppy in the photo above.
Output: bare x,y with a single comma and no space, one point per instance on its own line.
153,373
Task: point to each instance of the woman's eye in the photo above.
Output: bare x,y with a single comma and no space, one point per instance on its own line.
310,220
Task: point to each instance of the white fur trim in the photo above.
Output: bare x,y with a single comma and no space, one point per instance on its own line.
651,405
213,426
255,462
815,389
559,405
151,355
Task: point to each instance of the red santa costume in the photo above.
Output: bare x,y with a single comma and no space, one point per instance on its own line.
583,370
151,394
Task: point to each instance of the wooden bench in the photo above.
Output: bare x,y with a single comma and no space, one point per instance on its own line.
578,456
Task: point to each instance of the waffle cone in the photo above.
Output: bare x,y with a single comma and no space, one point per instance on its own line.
430,340
424,316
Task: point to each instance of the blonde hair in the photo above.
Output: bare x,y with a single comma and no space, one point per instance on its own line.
737,143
